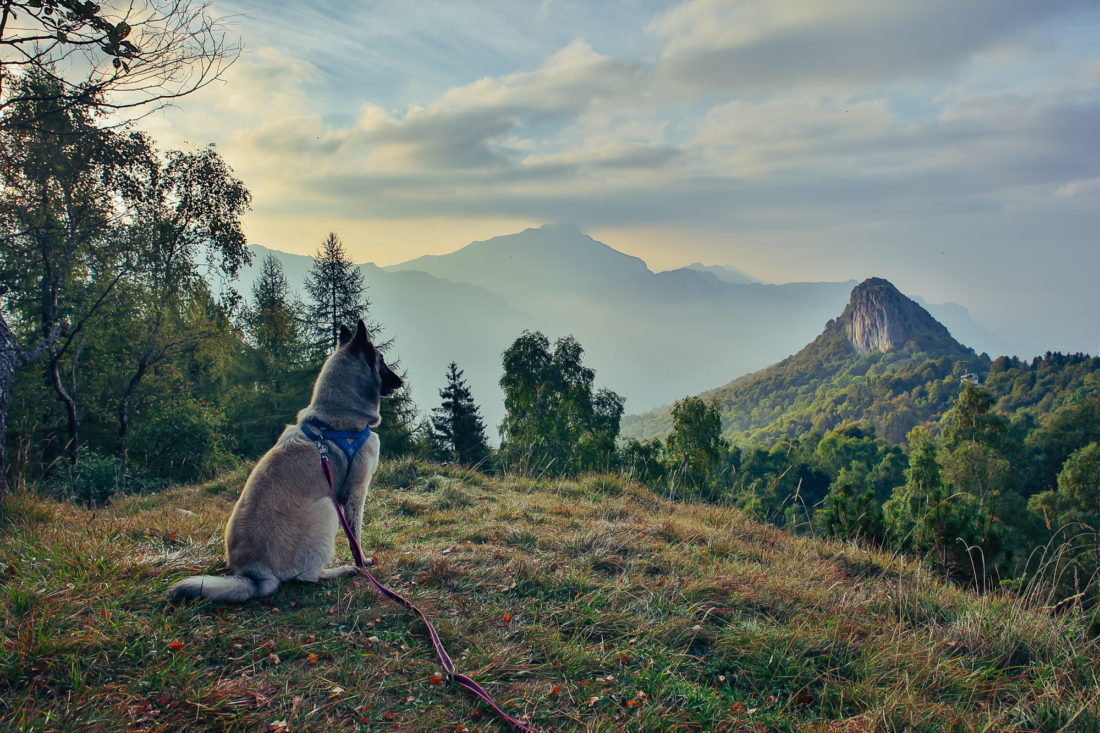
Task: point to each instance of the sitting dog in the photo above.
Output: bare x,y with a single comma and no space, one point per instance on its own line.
284,524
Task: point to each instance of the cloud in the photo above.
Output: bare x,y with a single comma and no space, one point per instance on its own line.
820,139
838,46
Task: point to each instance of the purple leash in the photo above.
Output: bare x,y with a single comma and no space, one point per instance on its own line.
444,657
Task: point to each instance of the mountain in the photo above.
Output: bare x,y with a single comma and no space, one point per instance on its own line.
651,337
724,273
884,361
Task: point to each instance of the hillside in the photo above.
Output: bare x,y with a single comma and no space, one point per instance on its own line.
589,605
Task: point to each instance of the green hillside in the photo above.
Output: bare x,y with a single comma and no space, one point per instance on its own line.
829,383
589,605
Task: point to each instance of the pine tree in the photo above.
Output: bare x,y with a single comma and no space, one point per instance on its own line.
458,431
272,318
336,291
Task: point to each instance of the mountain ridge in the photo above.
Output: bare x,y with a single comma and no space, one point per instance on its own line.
652,337
879,334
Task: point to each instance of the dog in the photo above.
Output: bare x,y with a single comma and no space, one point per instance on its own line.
283,527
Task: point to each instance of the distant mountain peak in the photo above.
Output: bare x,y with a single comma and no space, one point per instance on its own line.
879,318
725,273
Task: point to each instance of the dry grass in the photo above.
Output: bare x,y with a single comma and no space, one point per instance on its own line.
581,605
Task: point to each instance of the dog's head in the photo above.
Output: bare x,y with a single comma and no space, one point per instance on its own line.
359,345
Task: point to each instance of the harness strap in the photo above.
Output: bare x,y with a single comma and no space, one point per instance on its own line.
357,554
349,441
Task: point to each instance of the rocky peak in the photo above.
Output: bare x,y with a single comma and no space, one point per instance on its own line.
878,317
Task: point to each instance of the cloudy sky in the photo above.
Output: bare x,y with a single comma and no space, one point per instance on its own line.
951,147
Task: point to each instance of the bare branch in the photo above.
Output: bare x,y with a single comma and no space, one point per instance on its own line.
45,345
130,56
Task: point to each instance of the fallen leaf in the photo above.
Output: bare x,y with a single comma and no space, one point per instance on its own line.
593,700
280,726
337,692
507,618
556,690
803,699
175,645
274,658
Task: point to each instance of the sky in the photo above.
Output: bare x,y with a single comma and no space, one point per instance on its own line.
951,147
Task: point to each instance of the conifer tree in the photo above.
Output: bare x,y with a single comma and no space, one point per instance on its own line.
337,294
458,431
272,318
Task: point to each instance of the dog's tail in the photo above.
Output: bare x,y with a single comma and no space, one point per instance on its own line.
223,588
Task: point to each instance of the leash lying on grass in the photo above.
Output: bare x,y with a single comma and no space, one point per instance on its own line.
357,555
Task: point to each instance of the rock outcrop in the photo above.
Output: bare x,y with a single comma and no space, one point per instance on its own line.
879,318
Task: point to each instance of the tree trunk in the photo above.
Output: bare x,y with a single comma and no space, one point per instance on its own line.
72,448
124,408
11,361
11,358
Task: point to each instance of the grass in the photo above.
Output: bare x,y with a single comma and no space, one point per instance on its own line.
589,604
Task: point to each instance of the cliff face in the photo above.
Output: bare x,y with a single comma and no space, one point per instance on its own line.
879,318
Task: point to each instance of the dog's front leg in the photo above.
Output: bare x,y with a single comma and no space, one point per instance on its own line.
353,511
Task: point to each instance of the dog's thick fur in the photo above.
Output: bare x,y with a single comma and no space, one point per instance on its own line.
284,524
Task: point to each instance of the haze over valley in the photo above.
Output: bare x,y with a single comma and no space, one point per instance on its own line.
653,337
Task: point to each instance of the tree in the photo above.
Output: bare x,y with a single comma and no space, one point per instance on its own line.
457,428
129,56
272,317
909,502
335,287
189,210
1073,511
978,445
67,186
925,514
274,373
554,421
848,512
697,454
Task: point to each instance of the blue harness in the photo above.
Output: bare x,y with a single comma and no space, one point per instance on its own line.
346,440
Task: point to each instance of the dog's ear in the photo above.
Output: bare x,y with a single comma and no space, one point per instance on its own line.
390,381
361,342
345,334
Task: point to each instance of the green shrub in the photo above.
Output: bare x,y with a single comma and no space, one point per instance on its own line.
96,478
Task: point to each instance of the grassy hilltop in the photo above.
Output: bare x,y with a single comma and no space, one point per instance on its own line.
590,605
